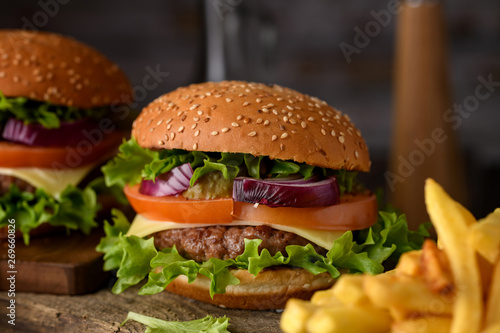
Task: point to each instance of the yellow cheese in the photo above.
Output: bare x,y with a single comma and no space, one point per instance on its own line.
51,180
142,227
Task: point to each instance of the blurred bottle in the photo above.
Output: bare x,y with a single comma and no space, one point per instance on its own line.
423,142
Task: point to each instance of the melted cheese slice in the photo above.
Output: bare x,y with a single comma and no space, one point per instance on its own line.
51,180
142,227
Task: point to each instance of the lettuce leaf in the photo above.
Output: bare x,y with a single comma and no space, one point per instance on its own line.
74,210
43,113
361,251
207,324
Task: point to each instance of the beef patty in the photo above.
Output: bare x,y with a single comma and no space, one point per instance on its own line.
6,181
225,242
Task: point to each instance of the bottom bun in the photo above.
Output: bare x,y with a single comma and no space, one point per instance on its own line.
269,290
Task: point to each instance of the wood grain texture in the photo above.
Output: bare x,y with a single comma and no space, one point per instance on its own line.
103,312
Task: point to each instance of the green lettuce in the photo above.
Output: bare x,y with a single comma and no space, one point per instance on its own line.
362,251
43,113
134,163
208,324
75,209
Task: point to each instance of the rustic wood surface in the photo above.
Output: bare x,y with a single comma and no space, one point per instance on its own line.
103,312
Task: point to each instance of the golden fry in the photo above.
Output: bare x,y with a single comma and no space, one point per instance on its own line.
349,290
485,236
350,319
404,296
452,222
296,315
424,324
435,268
325,298
493,303
409,264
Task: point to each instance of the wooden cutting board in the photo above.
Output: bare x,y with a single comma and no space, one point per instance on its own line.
61,264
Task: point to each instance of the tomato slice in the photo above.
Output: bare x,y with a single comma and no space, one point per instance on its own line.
179,209
15,155
352,213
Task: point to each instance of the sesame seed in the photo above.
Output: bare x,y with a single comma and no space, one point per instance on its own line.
224,130
245,104
284,135
349,132
197,133
169,127
282,147
239,117
330,124
341,133
356,154
194,126
279,99
270,105
172,136
179,113
252,134
282,127
169,121
289,107
181,129
246,120
293,121
195,146
303,124
290,114
310,119
77,87
218,95
196,118
323,131
265,110
214,133
241,95
285,119
194,106
275,111
166,137
2,74
290,101
358,133
229,100
150,121
274,138
333,133
200,112
161,142
159,122
325,119
266,122
207,119
341,139
259,120
16,78
258,100
235,124
321,113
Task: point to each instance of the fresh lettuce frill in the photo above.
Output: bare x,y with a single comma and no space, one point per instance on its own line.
362,251
75,209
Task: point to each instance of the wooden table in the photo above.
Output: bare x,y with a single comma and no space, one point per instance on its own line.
103,312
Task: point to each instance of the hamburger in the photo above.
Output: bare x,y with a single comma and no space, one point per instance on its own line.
59,101
246,195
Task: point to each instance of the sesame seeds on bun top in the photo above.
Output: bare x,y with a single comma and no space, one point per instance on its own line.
52,68
254,118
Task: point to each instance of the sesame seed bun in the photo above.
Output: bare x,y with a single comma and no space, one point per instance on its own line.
241,117
52,68
270,289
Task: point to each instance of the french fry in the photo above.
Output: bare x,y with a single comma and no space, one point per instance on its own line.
404,296
493,303
409,263
492,329
295,318
452,222
349,290
350,319
435,268
425,324
485,236
325,298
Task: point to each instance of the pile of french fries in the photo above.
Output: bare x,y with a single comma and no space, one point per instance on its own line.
452,286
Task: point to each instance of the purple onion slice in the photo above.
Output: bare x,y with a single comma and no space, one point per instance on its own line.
69,133
291,193
170,183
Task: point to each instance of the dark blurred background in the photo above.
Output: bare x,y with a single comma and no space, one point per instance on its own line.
295,43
